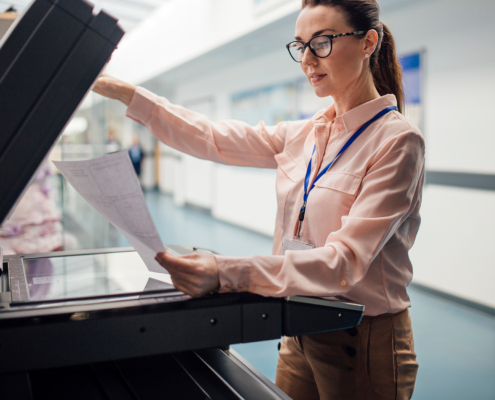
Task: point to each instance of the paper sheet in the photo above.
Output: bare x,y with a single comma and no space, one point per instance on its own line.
110,185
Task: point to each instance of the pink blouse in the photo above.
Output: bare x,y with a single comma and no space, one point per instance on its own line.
363,214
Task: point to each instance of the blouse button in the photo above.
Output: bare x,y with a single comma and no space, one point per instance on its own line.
350,351
343,283
352,331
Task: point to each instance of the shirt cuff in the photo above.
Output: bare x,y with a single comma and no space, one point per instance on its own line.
142,104
233,274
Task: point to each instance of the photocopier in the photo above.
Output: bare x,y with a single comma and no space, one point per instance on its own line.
89,324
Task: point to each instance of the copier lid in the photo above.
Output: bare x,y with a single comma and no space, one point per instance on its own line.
49,59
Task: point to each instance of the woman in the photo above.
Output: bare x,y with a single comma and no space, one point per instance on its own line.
355,220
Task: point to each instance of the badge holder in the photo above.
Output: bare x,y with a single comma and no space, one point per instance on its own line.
296,244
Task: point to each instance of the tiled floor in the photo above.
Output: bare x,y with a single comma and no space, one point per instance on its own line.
455,344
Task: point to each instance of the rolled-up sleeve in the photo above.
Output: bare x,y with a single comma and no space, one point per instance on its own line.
228,142
390,191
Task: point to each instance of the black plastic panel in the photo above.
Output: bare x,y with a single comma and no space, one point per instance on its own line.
33,68
15,386
304,319
44,77
205,377
81,10
111,381
210,375
74,383
244,382
261,321
47,345
104,24
23,31
160,377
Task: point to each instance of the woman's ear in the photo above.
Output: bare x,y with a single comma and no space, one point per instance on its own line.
370,43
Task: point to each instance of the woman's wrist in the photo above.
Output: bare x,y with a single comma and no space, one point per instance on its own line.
127,93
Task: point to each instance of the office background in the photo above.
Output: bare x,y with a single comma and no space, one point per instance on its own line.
227,59
234,64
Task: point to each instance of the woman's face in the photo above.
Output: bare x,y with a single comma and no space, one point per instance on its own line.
343,69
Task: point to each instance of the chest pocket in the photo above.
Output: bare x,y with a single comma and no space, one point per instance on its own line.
288,174
290,168
344,182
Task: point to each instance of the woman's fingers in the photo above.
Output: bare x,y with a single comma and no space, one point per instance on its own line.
195,275
175,263
108,86
102,85
180,285
114,88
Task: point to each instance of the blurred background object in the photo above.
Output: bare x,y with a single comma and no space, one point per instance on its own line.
136,155
35,225
6,19
112,144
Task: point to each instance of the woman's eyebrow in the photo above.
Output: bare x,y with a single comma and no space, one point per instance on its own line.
315,34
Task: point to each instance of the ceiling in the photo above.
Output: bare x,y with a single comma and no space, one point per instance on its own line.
268,39
129,12
262,41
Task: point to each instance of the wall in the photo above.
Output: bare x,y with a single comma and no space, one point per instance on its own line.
454,250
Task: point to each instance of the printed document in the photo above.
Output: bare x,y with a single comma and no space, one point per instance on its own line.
111,186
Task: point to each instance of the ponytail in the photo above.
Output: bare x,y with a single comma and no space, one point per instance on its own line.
364,15
386,69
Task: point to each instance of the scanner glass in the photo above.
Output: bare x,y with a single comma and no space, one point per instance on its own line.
90,275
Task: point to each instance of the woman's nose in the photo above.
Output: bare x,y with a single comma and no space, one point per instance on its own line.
308,57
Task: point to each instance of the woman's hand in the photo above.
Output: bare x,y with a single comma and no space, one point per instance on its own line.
194,274
114,88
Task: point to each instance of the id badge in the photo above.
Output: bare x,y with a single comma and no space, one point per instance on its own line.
296,244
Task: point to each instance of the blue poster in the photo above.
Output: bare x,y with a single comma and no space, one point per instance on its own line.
413,87
411,67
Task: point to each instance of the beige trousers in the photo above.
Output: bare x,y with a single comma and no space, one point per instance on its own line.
375,360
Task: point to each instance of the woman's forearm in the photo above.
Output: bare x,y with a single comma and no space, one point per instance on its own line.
228,142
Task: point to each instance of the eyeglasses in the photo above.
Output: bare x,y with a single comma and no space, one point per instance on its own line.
320,46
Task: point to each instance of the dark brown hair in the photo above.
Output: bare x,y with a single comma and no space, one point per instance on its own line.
363,15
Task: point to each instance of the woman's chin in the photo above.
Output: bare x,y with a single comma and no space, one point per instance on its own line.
322,92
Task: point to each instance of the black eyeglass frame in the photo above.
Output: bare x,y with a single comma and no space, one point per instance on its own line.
331,37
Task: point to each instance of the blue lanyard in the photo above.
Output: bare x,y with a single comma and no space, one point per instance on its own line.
349,142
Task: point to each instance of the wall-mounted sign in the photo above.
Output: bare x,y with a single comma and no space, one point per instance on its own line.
271,104
412,69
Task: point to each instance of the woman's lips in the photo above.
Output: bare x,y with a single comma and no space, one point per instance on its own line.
315,78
